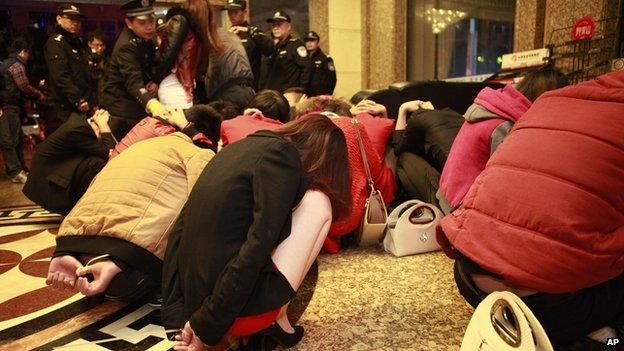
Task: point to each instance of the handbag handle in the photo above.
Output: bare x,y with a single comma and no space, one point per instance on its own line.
369,177
421,207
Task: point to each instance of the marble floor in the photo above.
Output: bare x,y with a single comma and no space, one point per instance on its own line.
360,299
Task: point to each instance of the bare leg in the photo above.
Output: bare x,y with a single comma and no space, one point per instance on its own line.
62,272
295,255
103,272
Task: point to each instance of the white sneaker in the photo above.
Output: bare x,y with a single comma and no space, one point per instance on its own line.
21,177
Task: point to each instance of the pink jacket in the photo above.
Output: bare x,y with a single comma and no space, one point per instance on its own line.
478,137
147,128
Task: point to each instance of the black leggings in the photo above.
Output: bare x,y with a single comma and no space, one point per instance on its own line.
565,317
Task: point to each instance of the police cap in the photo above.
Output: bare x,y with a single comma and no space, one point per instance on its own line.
236,5
141,9
312,35
279,16
69,10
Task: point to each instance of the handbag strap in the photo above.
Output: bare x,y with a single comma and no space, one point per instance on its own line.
369,177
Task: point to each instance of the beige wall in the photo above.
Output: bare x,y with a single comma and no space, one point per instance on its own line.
345,39
367,41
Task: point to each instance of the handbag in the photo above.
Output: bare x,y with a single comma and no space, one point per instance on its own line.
373,224
502,322
412,229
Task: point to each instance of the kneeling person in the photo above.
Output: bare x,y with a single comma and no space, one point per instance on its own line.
122,223
66,162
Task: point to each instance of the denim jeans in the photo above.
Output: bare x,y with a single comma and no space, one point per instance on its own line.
11,141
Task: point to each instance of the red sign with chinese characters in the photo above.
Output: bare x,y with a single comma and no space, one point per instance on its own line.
584,28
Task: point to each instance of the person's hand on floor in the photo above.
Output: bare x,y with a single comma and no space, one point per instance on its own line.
62,272
187,340
102,272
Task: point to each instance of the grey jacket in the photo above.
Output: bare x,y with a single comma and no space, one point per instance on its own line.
229,68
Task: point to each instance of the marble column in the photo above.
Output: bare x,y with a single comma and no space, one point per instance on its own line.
319,21
529,24
383,42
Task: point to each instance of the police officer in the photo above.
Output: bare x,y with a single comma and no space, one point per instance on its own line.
255,42
323,76
68,65
128,89
289,65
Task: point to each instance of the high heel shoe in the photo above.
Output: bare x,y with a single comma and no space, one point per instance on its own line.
282,337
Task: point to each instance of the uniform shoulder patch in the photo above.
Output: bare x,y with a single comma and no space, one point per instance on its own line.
58,37
330,65
302,51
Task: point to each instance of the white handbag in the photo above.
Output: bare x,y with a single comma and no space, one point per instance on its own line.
412,229
502,322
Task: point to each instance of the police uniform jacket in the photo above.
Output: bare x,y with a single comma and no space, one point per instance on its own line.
256,44
289,66
323,76
69,73
128,72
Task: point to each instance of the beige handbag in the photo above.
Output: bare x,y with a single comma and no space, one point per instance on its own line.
375,217
502,322
412,229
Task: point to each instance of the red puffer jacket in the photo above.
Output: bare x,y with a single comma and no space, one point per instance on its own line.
382,177
547,213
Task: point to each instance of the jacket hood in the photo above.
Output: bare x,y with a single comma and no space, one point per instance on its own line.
507,103
476,113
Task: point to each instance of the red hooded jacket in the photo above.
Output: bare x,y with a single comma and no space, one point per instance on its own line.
547,213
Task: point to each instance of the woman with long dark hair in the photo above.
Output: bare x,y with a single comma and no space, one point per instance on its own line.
252,227
188,36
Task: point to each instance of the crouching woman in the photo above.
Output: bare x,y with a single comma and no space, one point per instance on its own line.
251,229
117,233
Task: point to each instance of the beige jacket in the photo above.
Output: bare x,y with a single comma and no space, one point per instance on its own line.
139,194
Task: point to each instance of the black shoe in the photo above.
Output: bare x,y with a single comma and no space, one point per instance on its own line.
283,338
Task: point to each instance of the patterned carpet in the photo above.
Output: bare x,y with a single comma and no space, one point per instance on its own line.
360,299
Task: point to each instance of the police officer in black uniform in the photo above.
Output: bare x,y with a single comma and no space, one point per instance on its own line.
323,76
128,90
68,65
255,41
289,65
